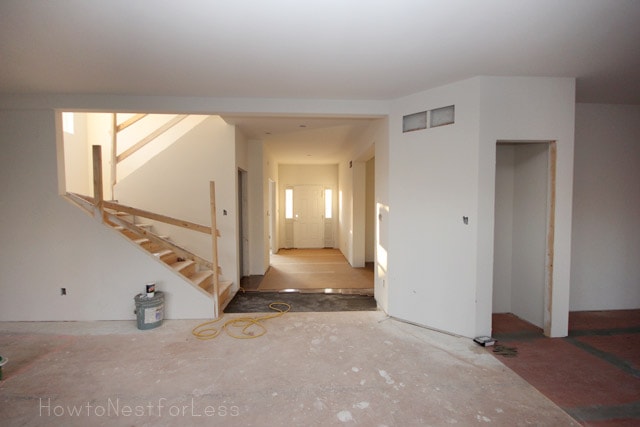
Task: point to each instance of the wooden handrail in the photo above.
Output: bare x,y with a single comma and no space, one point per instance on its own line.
84,199
122,126
147,139
157,217
86,203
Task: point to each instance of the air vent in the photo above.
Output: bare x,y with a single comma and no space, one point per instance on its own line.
428,119
416,121
442,116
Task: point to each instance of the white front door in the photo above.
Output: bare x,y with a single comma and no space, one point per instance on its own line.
308,220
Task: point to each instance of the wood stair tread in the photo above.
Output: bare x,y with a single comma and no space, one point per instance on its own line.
202,278
179,265
223,287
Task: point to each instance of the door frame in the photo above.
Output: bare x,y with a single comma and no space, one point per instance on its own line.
550,225
243,224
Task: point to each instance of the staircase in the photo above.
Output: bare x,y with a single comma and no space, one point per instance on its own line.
195,270
198,274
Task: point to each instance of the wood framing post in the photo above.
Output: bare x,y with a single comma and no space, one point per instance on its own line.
114,154
214,247
97,180
551,228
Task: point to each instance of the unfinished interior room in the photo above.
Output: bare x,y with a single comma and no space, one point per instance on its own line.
407,213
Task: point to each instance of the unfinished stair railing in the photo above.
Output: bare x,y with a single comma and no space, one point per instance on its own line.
198,271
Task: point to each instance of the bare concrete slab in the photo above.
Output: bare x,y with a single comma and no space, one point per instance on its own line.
310,369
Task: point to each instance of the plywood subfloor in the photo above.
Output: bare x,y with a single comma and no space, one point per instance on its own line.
319,269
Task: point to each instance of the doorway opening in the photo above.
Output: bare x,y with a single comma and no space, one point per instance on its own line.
523,231
243,226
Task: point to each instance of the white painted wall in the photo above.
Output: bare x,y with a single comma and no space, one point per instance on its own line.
380,139
345,209
605,272
98,132
53,244
77,158
352,177
503,228
432,185
530,232
271,174
526,108
370,212
141,129
176,183
520,231
258,206
441,270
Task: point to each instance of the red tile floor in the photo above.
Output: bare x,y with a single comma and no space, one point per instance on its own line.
593,374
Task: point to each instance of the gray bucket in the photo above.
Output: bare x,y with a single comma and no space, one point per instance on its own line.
149,310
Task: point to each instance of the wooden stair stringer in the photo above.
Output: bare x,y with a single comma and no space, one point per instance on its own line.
200,280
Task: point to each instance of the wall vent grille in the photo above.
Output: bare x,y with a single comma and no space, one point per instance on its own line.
429,119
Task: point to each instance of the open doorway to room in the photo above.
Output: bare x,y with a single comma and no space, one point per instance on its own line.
523,232
243,225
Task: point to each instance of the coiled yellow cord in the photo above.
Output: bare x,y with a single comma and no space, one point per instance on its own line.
247,325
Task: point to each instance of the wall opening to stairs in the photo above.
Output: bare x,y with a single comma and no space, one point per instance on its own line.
161,163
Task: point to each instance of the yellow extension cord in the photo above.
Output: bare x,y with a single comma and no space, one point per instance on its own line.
247,325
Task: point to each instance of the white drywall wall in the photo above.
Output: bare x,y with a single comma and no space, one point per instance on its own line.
370,214
271,174
50,244
432,185
503,228
534,109
77,157
605,272
258,206
441,270
141,129
176,183
529,232
380,139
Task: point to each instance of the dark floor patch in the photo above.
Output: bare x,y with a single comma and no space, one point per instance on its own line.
258,302
251,283
505,351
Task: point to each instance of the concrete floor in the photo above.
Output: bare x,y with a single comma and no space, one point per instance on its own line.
310,369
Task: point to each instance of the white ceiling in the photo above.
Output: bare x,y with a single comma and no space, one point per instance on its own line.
328,49
308,140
